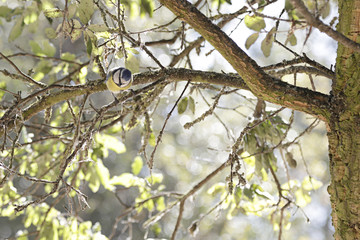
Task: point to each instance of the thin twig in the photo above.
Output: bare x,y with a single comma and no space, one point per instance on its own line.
316,22
151,160
26,77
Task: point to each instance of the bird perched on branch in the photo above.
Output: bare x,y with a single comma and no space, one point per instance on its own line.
119,79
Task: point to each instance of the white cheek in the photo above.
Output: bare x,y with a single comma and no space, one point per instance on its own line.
125,83
116,77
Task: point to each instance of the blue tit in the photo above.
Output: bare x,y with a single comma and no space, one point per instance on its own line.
119,79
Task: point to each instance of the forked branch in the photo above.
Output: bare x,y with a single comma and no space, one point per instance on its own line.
260,83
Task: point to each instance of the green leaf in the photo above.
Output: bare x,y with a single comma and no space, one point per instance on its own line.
16,29
104,175
156,229
82,79
4,11
137,165
146,6
94,184
325,10
89,45
48,48
309,184
74,29
155,178
290,160
216,188
127,180
98,27
254,22
251,40
30,17
160,204
249,193
42,68
302,199
2,86
152,140
68,56
35,47
110,142
50,33
85,10
291,39
53,13
250,160
192,105
267,43
182,105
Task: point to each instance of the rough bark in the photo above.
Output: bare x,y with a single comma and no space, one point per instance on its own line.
344,134
260,83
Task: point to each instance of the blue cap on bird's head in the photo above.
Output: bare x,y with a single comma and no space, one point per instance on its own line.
119,79
126,74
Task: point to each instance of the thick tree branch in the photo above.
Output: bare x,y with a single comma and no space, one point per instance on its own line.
316,22
226,19
260,83
229,80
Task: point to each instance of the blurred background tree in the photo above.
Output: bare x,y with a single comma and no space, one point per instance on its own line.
208,143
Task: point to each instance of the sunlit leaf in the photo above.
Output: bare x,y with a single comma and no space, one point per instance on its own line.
85,10
93,179
264,175
53,13
302,199
156,229
31,17
254,22
160,204
82,77
74,29
110,142
310,183
155,178
137,165
68,56
217,188
152,139
127,180
249,160
133,50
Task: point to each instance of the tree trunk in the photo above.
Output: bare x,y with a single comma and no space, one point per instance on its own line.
344,134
